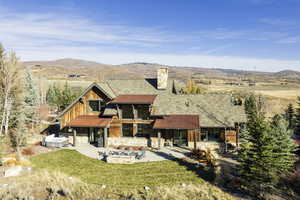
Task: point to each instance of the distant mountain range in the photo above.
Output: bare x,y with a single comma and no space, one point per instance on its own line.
64,67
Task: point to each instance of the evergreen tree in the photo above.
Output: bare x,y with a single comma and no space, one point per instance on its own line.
251,109
19,131
257,156
267,151
61,97
284,144
297,119
51,95
290,116
67,96
31,96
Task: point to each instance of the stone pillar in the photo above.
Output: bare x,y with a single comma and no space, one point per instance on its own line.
105,137
159,138
74,137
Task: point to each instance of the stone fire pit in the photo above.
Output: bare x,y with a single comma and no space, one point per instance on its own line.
123,157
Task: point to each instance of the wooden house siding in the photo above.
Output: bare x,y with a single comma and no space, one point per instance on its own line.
81,108
115,129
193,134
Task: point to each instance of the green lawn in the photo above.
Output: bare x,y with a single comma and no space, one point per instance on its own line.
123,176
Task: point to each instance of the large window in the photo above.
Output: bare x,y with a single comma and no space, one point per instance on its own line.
127,130
127,112
144,130
143,112
95,105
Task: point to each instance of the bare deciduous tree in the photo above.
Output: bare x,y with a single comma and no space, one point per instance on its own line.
10,73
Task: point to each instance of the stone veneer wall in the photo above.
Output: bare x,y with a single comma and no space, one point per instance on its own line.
154,142
79,139
127,141
134,141
162,78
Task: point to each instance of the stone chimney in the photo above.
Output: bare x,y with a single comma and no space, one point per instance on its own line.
162,78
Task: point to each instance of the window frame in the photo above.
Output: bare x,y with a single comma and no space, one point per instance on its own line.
143,134
145,117
129,128
100,101
122,110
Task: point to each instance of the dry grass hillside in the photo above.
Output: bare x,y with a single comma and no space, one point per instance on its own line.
96,70
44,185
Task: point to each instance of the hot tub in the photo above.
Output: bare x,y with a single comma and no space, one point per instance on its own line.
58,142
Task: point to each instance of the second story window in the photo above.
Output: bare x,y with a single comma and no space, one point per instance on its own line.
95,105
143,112
127,112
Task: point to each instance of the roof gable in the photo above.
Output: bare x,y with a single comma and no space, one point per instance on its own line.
83,94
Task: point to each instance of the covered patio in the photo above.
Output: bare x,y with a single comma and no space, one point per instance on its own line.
178,130
90,128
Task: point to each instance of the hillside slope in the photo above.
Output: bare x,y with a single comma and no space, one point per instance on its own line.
62,68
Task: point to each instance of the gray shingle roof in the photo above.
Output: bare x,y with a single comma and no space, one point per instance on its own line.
107,89
144,86
214,110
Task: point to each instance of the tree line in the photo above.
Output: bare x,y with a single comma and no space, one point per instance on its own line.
18,99
61,97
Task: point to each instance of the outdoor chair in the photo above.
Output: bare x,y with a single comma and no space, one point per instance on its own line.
140,155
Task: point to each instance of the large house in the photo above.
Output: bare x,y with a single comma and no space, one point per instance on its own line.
149,112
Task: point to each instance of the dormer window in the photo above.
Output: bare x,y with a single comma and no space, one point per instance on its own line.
95,105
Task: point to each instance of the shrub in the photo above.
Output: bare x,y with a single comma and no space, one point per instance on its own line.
28,151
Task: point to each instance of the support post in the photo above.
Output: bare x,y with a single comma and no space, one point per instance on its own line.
134,129
105,137
237,135
195,139
134,111
74,137
158,137
225,141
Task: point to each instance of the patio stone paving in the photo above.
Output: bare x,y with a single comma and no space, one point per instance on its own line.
165,153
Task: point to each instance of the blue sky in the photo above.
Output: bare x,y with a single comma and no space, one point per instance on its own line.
239,34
